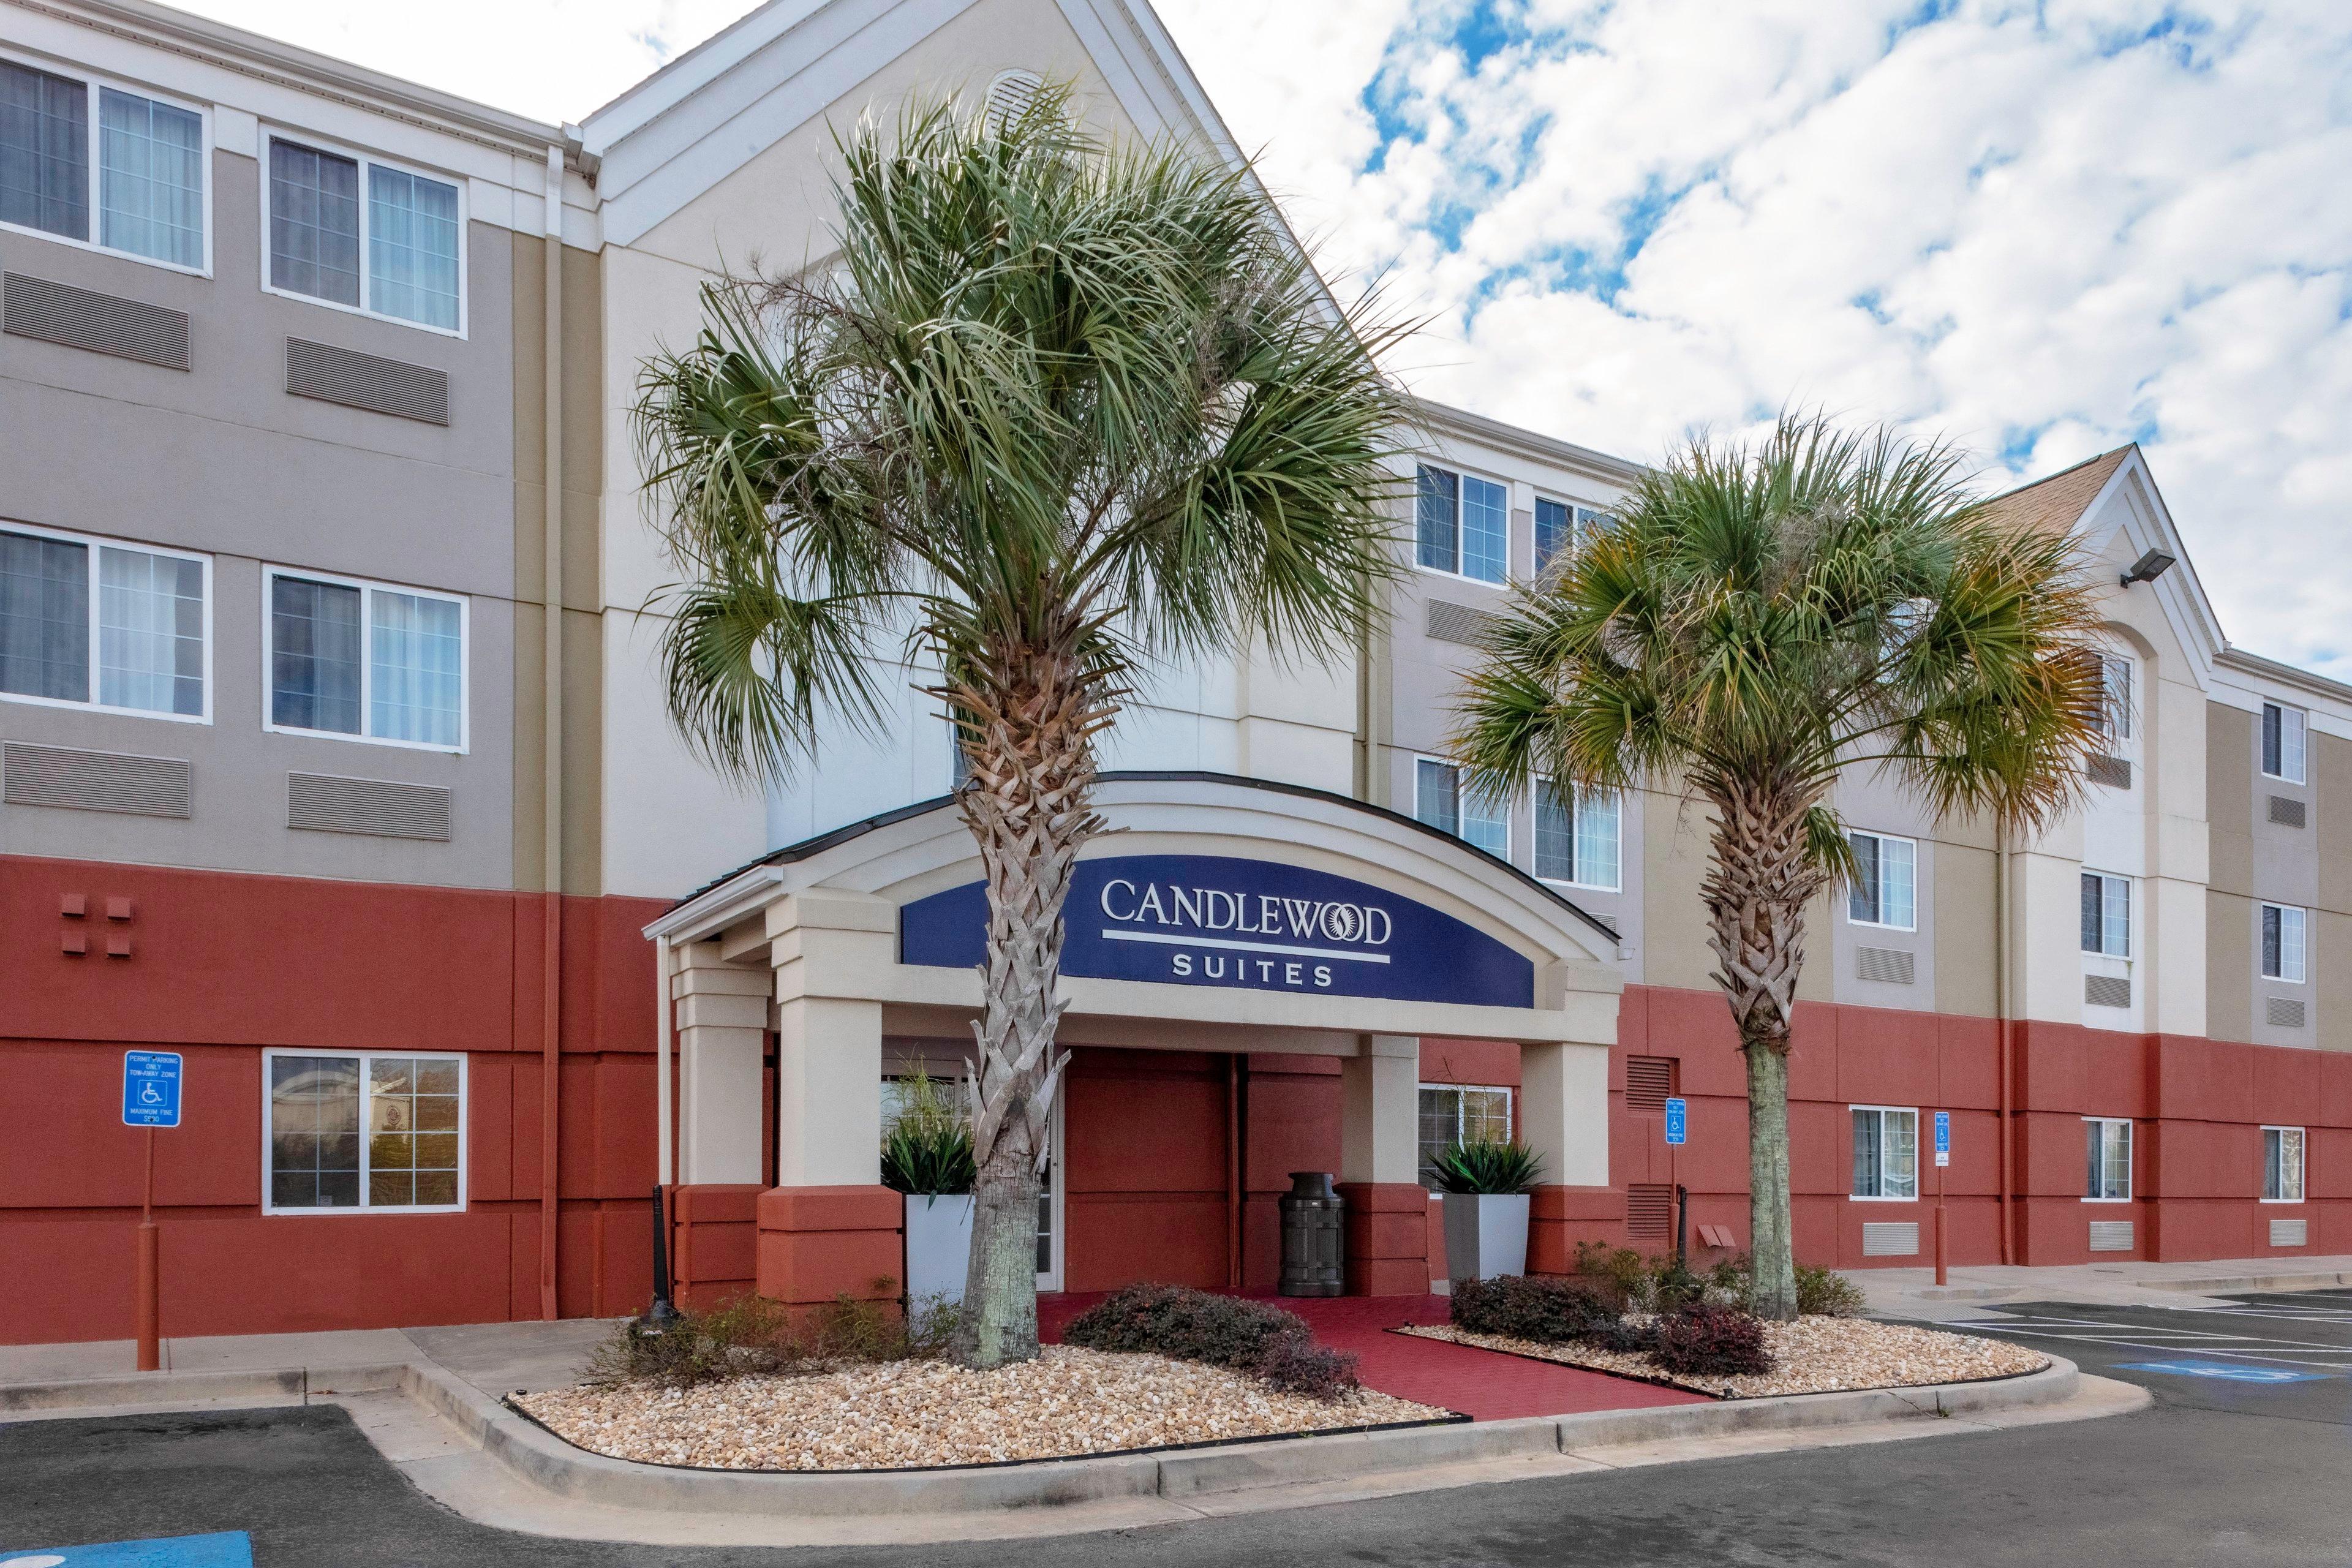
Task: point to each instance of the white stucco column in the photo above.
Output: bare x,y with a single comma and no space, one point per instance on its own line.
723,1019
1564,1111
831,950
1379,1110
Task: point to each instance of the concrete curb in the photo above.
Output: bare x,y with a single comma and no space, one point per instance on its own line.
2248,1282
293,1386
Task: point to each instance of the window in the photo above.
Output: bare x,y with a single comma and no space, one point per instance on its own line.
360,659
2114,697
1576,836
2282,943
1883,881
1451,1114
1885,1152
146,183
354,232
2282,1164
2106,914
1463,525
364,1131
2109,1141
1559,526
140,620
1439,800
2283,742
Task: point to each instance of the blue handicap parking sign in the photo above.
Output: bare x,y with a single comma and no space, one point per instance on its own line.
1943,1138
1677,1120
231,1549
151,1096
2224,1372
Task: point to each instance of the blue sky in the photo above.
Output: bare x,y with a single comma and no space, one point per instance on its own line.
2038,227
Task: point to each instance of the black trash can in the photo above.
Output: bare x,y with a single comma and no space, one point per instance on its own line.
1314,1237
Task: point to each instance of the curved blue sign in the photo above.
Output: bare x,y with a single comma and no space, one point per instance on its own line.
1214,919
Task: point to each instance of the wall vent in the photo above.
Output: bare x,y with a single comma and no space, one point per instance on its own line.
2107,990
2112,771
1649,1083
2290,1233
1010,96
95,781
1886,1240
324,803
1649,1209
102,323
2282,1012
355,380
2286,811
2111,1236
1890,966
1450,621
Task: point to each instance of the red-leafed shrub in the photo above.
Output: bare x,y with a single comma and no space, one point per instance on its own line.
1530,1307
1701,1339
1248,1337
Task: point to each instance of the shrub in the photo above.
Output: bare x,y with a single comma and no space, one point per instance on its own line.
926,1147
1825,1292
1703,1341
1248,1337
1488,1165
753,1335
1530,1307
1626,1336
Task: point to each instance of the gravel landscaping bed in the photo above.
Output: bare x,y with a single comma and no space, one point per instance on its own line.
1811,1355
911,1414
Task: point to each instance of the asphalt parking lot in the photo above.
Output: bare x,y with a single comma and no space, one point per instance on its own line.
2243,1459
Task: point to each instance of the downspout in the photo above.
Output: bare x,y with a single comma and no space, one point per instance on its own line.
2000,968
552,762
1232,1170
665,1153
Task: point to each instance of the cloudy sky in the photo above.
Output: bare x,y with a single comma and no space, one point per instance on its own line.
2041,227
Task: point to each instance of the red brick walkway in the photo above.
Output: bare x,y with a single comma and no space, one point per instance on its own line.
1482,1384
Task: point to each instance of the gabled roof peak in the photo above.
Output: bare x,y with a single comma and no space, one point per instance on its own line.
2058,500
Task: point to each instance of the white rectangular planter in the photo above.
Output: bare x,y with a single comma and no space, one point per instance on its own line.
938,1245
1485,1235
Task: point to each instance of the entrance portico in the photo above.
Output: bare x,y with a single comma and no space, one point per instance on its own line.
1294,935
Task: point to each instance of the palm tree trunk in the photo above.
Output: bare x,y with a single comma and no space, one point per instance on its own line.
1028,722
1757,883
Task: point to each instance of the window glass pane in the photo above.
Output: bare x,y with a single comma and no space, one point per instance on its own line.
1555,834
1862,903
413,247
314,656
1486,822
1902,1157
2092,1143
2117,909
1437,520
1554,530
1441,1125
1433,794
44,152
1596,839
2270,941
2116,672
2272,717
415,663
151,178
2271,1181
2290,1164
1895,881
2290,945
44,617
314,223
2120,1159
151,631
1486,530
314,1125
2092,937
2291,746
1865,1153
412,1131
1486,1115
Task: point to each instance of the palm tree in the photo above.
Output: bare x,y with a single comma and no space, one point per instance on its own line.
1757,622
1057,410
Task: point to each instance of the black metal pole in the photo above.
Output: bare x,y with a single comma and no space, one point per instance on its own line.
661,1314
1682,1223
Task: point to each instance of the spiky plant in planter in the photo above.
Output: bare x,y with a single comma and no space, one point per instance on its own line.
1490,1166
1486,1182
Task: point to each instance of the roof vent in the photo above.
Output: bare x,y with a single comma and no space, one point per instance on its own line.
1010,96
355,380
95,781
102,323
324,803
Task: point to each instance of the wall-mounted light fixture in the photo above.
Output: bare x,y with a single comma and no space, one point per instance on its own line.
2148,568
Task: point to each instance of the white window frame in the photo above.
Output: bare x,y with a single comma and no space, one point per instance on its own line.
300,138
1511,1112
1510,545
1460,792
2301,718
2131,917
93,543
94,83
269,1146
2301,941
2131,1156
369,586
1912,925
1617,802
1581,518
2301,1163
1883,1112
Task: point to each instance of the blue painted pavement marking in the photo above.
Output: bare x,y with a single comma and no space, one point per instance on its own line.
2213,1369
231,1549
